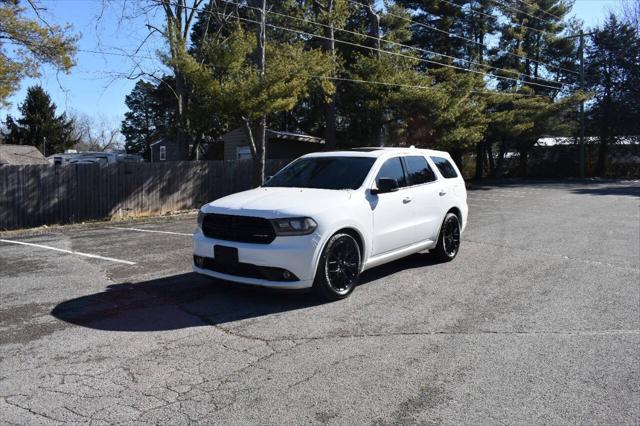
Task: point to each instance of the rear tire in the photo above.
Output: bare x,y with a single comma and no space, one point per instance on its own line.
449,239
338,268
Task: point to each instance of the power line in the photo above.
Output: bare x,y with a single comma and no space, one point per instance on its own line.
421,24
461,7
535,6
413,86
487,92
348,43
518,10
406,46
435,29
389,52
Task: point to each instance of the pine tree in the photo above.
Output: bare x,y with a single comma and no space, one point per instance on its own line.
151,116
613,75
531,44
39,125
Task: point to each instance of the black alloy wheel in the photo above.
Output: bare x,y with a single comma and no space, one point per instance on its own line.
339,268
449,239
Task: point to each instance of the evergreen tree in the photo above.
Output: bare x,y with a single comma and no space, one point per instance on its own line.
39,125
613,75
531,44
150,117
229,83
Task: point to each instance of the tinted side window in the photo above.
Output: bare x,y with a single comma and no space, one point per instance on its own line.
445,167
392,168
418,170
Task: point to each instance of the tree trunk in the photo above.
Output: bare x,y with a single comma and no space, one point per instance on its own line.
181,131
260,156
456,156
479,160
602,156
374,32
524,161
500,166
492,164
330,106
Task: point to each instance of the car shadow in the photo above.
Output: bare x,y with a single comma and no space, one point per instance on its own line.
191,300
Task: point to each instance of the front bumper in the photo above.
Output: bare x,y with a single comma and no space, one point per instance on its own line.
297,254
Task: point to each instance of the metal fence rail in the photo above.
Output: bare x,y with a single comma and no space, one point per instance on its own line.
34,195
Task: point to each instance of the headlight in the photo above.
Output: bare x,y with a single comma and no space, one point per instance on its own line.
200,219
294,226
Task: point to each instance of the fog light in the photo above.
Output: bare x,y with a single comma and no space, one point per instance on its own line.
199,261
287,275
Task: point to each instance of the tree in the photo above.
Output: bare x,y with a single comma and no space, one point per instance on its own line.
530,44
39,125
96,133
613,75
228,80
331,14
399,99
631,13
179,18
517,122
151,116
26,44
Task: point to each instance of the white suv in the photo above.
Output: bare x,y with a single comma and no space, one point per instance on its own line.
326,217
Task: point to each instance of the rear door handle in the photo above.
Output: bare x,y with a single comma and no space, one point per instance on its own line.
407,200
442,192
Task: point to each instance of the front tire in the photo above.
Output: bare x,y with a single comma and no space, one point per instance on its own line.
449,239
339,268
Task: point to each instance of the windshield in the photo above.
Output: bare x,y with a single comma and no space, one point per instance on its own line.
323,173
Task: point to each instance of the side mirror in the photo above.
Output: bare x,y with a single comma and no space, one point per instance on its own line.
385,185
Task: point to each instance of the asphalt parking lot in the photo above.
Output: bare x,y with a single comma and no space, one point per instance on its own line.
536,321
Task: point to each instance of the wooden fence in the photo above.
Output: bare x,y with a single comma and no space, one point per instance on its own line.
34,195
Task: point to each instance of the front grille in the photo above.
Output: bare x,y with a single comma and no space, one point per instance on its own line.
247,270
244,229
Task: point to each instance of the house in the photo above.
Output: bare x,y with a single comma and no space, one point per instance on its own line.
280,145
167,149
20,154
235,146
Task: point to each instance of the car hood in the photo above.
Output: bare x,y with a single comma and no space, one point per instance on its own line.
279,202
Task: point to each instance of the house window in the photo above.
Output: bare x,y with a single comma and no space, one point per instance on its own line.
163,153
243,152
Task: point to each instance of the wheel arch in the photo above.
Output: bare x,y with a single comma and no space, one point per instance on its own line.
349,230
356,236
455,210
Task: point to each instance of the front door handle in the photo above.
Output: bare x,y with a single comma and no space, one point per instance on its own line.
442,192
407,200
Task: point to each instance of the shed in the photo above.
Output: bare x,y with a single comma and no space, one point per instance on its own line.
21,154
167,149
280,145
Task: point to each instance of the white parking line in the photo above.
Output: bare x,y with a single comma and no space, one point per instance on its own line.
93,256
149,230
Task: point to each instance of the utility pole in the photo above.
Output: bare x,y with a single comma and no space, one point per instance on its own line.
582,104
582,88
261,149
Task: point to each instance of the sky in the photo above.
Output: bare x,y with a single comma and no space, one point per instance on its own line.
97,86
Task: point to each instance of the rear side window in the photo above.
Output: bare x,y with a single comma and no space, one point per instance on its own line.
418,170
446,168
392,168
